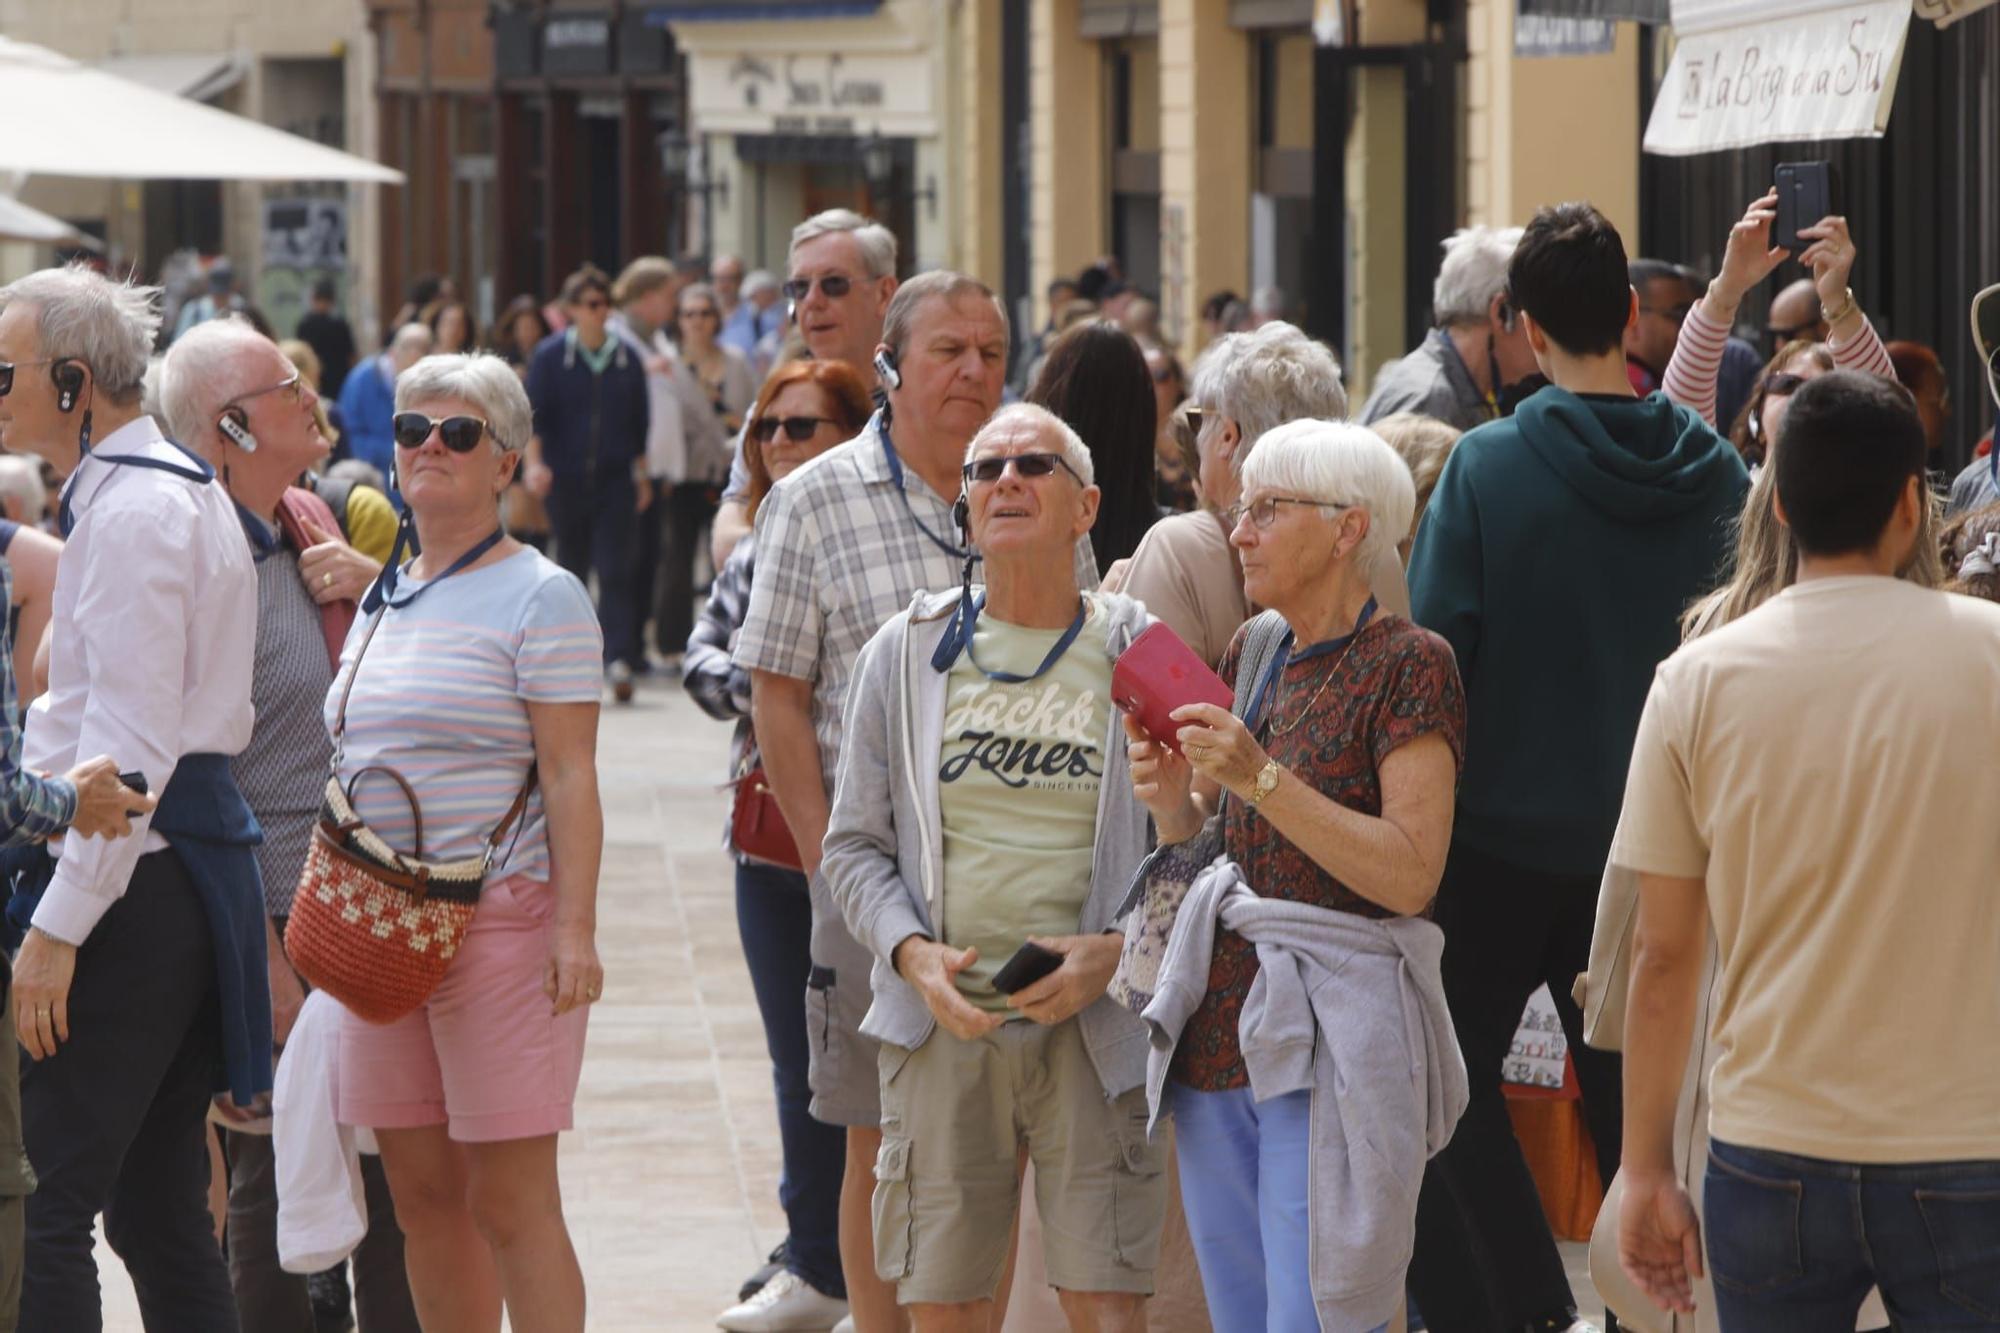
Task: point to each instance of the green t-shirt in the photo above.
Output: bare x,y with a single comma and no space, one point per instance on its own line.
1018,780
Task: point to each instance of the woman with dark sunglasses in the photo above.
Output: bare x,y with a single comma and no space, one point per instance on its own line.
478,666
804,409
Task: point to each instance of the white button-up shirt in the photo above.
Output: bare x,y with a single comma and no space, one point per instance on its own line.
153,645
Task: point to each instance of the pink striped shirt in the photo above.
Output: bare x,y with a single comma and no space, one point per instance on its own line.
1697,360
442,698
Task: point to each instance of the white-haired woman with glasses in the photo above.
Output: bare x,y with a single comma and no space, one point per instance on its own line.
983,806
1339,779
485,663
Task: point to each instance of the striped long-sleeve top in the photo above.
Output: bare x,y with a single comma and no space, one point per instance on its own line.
32,807
1697,360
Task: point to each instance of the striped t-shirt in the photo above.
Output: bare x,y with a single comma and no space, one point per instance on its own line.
442,697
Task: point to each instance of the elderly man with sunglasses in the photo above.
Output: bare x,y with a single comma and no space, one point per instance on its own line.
842,277
983,833
143,975
842,545
227,392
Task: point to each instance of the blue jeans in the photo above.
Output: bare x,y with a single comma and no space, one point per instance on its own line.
1794,1243
1244,1166
774,917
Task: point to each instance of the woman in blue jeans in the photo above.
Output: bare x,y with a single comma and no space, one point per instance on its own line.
1338,780
804,409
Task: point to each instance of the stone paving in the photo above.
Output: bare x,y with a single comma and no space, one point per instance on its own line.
670,1176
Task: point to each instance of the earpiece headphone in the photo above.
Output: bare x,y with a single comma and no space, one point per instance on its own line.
961,514
1755,427
885,366
1506,315
68,376
236,426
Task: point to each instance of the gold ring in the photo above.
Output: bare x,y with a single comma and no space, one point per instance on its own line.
326,579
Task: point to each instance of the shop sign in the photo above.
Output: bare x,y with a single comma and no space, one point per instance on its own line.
1561,35
832,94
1798,70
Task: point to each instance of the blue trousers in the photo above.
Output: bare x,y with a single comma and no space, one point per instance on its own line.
1244,1166
597,529
1794,1243
774,917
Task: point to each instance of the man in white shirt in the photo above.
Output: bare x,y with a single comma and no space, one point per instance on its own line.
1815,780
143,975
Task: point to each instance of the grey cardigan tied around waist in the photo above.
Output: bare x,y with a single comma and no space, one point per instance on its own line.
1351,1009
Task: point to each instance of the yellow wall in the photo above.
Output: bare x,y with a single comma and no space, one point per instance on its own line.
1376,168
1513,166
977,244
1207,134
1068,214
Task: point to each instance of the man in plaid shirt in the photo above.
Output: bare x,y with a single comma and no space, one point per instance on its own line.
843,544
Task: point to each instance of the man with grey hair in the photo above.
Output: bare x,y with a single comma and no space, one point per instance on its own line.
844,544
1185,569
368,401
226,371
143,972
843,273
1478,346
755,323
991,712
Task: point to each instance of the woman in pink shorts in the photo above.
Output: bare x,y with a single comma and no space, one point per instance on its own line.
488,659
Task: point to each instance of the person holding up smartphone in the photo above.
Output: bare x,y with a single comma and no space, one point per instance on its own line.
1751,254
983,832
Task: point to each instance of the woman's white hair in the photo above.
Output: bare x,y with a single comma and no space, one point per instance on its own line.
1474,271
200,373
1046,426
1266,377
877,242
84,316
1339,463
481,380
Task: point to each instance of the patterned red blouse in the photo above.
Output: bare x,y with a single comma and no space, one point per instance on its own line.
1394,683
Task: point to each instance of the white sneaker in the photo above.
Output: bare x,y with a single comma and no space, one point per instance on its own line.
787,1304
845,1326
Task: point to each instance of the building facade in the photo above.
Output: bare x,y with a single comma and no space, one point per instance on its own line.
305,69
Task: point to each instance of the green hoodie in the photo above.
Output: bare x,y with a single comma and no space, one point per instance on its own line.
1558,551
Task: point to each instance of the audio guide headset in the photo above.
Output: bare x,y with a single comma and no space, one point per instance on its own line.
235,426
1507,314
67,374
885,366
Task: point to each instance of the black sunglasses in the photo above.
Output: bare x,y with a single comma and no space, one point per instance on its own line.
461,435
835,285
800,429
1782,384
1025,465
7,369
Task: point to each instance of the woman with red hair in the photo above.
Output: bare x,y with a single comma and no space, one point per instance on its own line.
804,409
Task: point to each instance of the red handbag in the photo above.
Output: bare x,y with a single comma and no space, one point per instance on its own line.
757,828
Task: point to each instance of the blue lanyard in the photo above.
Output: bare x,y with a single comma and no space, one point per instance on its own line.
1284,657
958,639
896,476
263,543
383,592
201,474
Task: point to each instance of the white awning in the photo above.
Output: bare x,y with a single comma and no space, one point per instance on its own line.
1776,71
195,77
18,222
105,127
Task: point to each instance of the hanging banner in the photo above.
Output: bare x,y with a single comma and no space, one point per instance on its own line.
1800,70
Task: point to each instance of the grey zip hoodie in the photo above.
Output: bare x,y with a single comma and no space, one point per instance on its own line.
1353,1010
884,851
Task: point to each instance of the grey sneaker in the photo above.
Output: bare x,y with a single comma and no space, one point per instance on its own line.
621,682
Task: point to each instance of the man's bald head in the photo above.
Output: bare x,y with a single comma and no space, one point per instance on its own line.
1795,314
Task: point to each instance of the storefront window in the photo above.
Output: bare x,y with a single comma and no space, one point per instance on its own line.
1281,207
1133,86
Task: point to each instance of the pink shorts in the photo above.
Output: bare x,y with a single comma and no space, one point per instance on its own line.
483,1055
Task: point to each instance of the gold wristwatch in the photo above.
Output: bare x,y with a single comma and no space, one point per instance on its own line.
1267,782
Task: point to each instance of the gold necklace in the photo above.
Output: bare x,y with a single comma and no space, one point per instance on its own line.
1306,712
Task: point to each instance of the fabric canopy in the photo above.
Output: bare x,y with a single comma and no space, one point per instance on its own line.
94,124
18,222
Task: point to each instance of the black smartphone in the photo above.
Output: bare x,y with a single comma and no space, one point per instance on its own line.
1030,963
1805,195
136,781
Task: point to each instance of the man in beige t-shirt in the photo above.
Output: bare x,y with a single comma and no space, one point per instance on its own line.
1816,779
